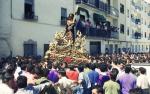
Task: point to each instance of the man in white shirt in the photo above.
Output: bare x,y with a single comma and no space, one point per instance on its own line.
63,80
7,83
142,81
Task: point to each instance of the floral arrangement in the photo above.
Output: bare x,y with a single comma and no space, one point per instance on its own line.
63,49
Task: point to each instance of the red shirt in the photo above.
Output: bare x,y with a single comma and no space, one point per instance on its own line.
72,75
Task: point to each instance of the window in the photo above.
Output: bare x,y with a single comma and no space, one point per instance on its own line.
128,31
30,48
63,16
145,34
128,13
121,28
29,9
122,8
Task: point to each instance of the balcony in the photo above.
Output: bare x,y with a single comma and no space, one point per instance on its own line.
137,35
136,21
100,33
30,16
100,6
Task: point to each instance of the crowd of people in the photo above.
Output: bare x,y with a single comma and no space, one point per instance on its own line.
104,74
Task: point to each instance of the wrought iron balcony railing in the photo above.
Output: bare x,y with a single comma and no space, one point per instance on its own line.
30,16
137,35
100,33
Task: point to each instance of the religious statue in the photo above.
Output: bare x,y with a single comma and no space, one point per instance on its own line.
69,34
66,45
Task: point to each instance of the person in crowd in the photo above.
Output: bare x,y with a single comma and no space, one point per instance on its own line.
72,74
53,74
64,83
40,75
111,86
127,80
104,75
87,68
83,82
88,26
8,82
29,74
97,90
24,88
142,81
63,66
93,75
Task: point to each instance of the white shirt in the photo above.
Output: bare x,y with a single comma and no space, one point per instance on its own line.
16,74
5,89
65,82
142,81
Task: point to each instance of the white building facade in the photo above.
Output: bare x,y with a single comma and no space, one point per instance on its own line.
28,26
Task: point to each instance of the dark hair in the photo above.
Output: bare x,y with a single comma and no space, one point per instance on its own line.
87,65
113,75
127,68
49,65
11,68
45,72
142,70
98,88
92,66
30,67
38,71
71,67
103,67
23,66
115,70
71,16
6,76
81,68
22,82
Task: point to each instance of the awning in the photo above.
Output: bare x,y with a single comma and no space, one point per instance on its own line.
98,18
83,10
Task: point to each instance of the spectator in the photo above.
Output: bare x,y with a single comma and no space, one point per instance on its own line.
111,86
64,82
72,74
127,80
142,81
93,75
97,90
53,74
7,83
24,88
